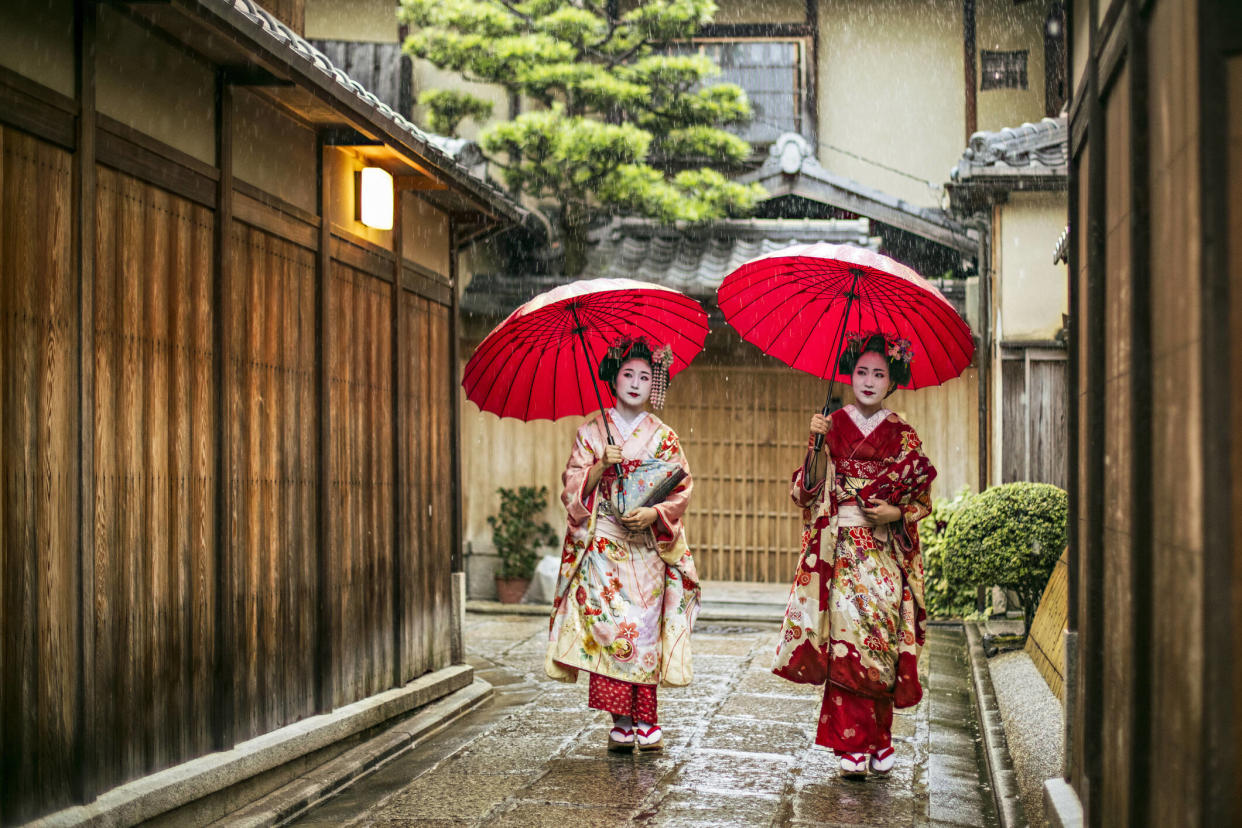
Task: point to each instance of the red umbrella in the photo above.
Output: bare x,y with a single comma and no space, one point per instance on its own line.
798,303
540,363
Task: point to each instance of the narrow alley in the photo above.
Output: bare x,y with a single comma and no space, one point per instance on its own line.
737,749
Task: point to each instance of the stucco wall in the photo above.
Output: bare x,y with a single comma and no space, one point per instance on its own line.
146,83
426,235
768,11
36,41
890,89
273,151
362,20
1002,26
1032,291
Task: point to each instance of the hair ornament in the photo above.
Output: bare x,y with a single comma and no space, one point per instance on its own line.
626,348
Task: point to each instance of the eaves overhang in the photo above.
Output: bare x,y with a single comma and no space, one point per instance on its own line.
791,169
254,49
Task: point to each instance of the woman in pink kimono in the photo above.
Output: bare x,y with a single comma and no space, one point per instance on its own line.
856,617
628,593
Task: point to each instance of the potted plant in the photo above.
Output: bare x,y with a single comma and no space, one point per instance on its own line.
517,534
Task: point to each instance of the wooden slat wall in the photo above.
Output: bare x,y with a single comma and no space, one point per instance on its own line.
360,432
271,364
154,444
154,453
428,500
38,641
744,429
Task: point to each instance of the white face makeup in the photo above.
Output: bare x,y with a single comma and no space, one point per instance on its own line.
870,381
633,385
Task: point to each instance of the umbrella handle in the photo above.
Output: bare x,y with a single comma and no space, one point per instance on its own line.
850,296
586,352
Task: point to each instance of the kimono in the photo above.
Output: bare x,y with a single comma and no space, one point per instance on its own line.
856,619
625,602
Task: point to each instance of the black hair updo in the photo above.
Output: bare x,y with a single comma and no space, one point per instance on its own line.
856,346
621,353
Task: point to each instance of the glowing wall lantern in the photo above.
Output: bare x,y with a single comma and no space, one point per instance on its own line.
373,194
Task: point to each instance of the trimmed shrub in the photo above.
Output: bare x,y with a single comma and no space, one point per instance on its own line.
1011,536
517,532
946,597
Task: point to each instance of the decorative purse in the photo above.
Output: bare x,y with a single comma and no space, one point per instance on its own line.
648,484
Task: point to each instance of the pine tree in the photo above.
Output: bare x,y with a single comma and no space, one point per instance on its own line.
619,124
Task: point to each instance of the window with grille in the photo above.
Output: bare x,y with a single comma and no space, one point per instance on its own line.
773,74
1003,70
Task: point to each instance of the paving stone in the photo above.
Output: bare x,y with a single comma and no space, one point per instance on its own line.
542,815
729,772
764,681
727,645
621,780
794,710
751,736
682,808
443,794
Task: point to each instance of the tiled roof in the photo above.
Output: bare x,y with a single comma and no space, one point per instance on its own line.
427,146
1040,149
792,169
693,259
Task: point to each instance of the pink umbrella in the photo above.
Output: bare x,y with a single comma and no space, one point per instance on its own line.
540,363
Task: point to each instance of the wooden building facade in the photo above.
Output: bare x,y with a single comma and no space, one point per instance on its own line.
1154,680
227,500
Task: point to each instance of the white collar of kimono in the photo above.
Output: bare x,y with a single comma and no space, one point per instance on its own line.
625,428
866,425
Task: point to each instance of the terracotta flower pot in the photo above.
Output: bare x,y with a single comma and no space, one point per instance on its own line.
511,590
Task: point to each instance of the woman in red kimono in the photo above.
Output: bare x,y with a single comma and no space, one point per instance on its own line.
856,618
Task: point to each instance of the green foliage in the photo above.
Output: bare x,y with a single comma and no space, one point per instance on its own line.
1011,536
946,597
619,125
447,109
517,531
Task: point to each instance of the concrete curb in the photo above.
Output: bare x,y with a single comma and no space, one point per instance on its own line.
736,613
183,785
995,746
287,802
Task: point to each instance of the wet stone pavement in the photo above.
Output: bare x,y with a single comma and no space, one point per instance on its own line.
737,749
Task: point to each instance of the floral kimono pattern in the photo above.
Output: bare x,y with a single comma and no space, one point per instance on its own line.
856,620
625,602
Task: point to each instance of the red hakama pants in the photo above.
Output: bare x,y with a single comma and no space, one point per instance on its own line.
621,698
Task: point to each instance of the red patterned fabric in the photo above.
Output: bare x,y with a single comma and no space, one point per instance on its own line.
850,723
855,619
622,698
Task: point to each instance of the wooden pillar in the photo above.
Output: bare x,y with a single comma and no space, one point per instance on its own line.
399,429
454,399
1142,493
325,620
85,759
1092,453
224,697
1219,35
